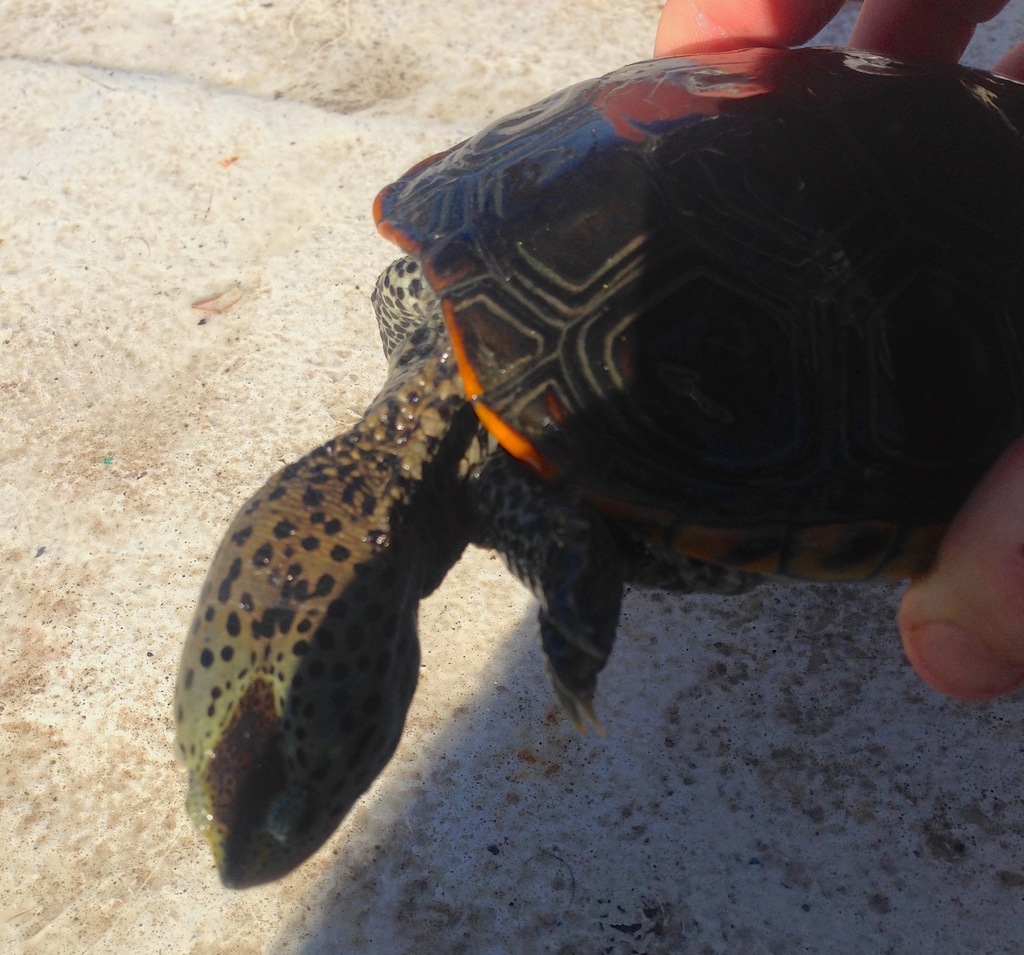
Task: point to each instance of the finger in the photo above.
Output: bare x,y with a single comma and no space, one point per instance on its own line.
921,29
1012,64
962,623
691,26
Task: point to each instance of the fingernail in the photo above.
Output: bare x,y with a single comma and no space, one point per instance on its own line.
955,662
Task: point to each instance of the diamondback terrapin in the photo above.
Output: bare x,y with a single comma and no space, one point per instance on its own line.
692,323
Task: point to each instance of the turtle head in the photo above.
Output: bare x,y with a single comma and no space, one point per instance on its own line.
302,658
295,680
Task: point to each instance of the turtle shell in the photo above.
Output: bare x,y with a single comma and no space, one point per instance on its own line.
765,306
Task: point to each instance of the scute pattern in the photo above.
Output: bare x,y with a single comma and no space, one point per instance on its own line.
733,268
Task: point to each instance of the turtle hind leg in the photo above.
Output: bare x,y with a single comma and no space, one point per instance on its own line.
403,301
564,552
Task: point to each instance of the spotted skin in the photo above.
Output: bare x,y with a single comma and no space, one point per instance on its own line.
402,302
302,658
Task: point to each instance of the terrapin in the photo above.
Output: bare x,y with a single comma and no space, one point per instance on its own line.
696,322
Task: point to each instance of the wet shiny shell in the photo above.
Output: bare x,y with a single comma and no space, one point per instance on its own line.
766,306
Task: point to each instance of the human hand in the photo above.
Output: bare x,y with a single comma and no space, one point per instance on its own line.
962,622
903,29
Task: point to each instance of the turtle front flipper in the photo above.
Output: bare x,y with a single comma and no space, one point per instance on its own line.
562,549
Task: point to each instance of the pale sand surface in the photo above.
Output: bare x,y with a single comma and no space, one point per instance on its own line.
775,780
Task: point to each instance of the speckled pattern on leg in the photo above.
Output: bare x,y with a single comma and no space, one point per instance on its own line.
403,301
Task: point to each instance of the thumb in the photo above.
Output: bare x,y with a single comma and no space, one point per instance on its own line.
962,622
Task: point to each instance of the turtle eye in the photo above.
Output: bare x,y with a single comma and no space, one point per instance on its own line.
287,812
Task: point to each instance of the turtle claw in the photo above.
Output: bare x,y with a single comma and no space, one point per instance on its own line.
578,708
573,665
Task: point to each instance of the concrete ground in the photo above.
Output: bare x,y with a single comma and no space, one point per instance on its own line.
775,778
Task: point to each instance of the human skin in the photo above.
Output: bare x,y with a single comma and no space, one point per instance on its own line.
962,622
